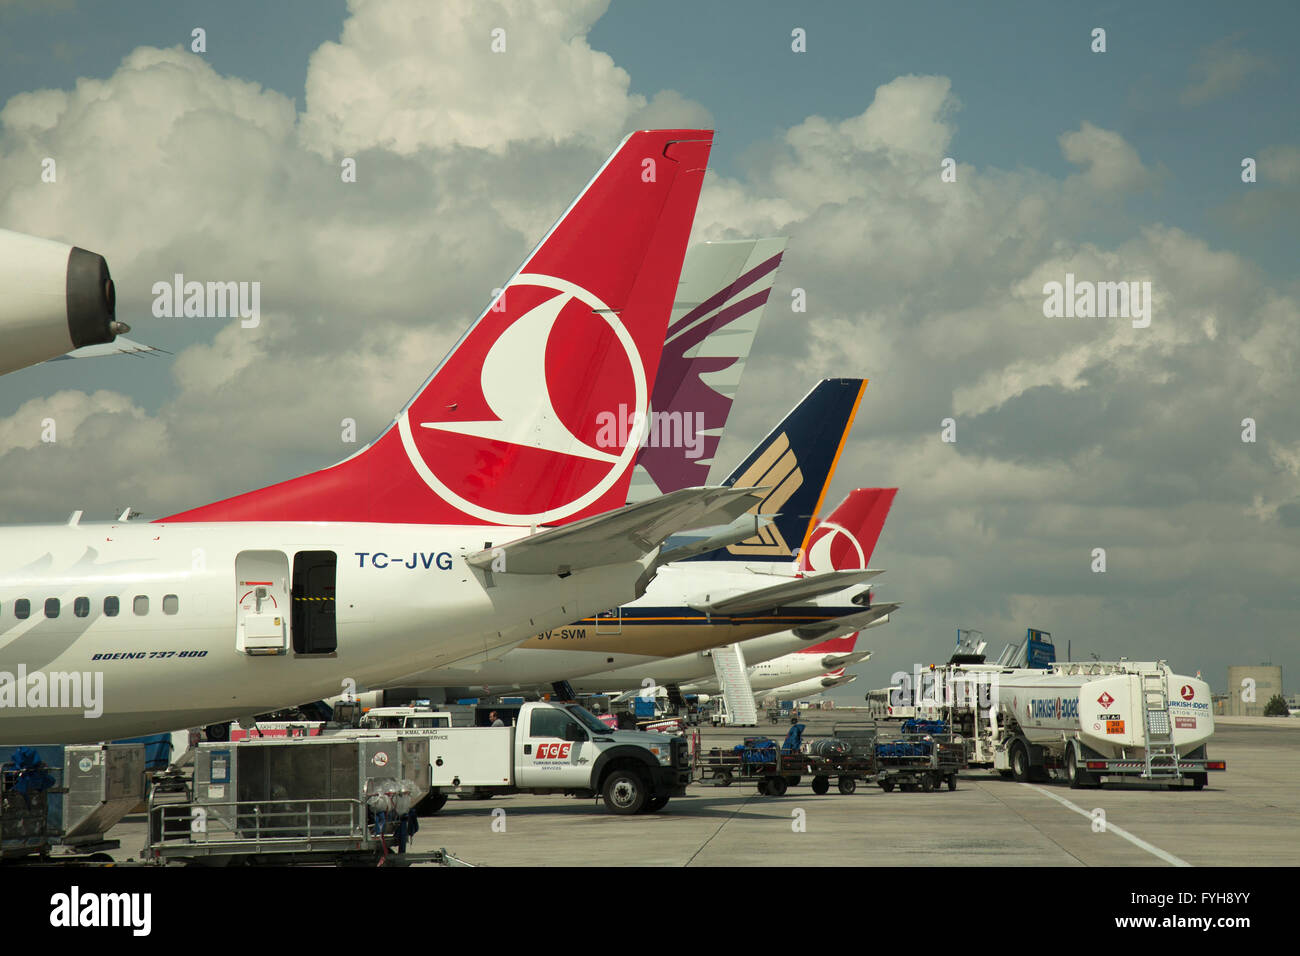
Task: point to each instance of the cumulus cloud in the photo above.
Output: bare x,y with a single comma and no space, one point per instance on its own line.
1110,164
1071,433
1222,69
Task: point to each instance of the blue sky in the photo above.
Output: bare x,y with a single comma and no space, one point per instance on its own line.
1023,72
1073,435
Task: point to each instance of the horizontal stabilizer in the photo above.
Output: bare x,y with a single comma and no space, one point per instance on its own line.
841,626
698,541
788,592
119,346
627,534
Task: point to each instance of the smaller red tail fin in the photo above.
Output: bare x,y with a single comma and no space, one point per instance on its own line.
844,540
836,645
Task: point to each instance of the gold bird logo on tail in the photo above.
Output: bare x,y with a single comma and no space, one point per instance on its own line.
777,468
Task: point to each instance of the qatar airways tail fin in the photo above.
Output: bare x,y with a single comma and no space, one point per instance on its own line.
513,427
720,301
845,539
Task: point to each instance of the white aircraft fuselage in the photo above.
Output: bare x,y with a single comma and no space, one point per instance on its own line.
660,635
195,637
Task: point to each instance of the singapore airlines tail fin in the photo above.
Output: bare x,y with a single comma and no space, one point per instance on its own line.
518,424
795,463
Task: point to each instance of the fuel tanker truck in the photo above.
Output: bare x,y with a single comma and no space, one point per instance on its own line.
1095,720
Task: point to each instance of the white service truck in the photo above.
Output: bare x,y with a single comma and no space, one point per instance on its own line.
557,748
1098,719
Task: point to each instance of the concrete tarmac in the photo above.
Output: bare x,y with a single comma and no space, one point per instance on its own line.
1248,815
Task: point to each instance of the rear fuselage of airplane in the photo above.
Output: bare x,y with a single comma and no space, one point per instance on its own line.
188,624
660,636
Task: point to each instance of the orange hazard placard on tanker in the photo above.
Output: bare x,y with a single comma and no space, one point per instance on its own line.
1114,726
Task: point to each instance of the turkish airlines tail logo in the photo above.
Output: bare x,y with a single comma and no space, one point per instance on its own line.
846,539
506,430
515,387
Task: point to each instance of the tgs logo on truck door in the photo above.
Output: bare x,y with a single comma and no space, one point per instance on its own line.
555,751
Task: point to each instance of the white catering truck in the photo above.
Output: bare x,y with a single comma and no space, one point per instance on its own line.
557,748
1096,719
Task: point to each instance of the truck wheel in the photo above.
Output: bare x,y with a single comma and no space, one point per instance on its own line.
625,792
722,777
1020,762
431,804
952,782
927,784
887,786
848,784
776,786
1078,777
821,785
762,786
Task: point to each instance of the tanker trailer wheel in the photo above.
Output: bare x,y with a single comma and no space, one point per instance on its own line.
776,786
1020,762
431,804
887,785
1079,778
848,784
820,784
625,792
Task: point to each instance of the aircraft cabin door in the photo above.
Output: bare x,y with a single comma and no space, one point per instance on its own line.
262,602
314,628
610,622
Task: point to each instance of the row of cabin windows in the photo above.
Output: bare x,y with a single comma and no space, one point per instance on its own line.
112,606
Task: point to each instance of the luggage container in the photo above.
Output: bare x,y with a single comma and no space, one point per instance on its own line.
67,796
294,799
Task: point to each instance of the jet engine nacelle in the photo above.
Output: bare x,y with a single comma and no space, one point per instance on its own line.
53,298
